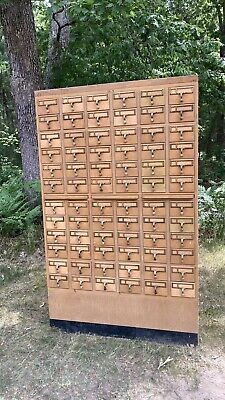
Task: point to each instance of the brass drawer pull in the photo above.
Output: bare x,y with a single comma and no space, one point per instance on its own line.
102,209
153,170
50,141
124,119
77,208
125,137
124,101
52,187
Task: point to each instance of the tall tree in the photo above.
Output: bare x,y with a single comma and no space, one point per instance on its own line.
18,26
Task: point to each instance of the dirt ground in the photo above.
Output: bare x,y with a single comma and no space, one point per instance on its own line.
39,362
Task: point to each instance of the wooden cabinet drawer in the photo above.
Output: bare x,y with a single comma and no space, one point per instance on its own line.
54,207
105,269
102,208
73,121
130,286
57,250
124,100
98,102
75,155
128,185
98,170
129,253
77,208
182,225
182,184
152,115
126,169
153,168
182,256
183,273
152,135
79,237
49,123
182,167
182,150
80,251
98,119
128,270
155,272
103,238
58,281
52,171
79,268
182,240
152,97
104,253
155,288
53,186
184,133
153,151
128,239
58,267
76,170
81,282
182,113
154,239
181,289
128,223
155,255
49,140
56,236
103,222
47,106
126,153
55,222
127,208
182,208
77,186
72,104
101,185
99,137
74,139
100,153
125,136
181,95
151,185
105,284
154,208
81,223
53,156
125,117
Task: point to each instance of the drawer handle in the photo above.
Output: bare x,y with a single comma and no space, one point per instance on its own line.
54,224
97,103
77,208
78,224
52,187
153,186
58,282
182,258
105,285
53,209
75,171
155,290
104,270
155,274
152,153
56,238
98,120
182,241
130,287
103,240
78,239
124,101
80,253
182,291
181,168
181,152
155,256
181,115
101,187
76,187
125,137
154,241
52,172
129,272
126,184
103,253
152,116
80,269
152,100
50,156
102,209
181,210
127,224
128,256
154,226
124,119
125,154
125,170
181,226
102,224
181,186
153,170
56,252
48,124
127,209
152,135
153,210
99,155
99,139
128,240
100,171
81,284
181,97
181,135
74,156
57,267
50,141
74,140
182,275
73,122
47,107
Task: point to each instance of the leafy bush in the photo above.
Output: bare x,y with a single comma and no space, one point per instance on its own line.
16,214
212,213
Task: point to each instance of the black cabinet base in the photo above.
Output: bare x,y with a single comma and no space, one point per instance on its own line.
127,332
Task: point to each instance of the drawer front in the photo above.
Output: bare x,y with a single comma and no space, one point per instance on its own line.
153,151
128,223
102,208
184,133
47,106
125,136
127,185
155,272
128,239
182,225
53,186
182,273
155,255
152,115
152,98
98,102
182,208
80,251
50,171
99,170
73,121
102,185
98,154
181,95
182,289
154,208
182,256
52,156
79,237
56,250
105,269
130,286
103,222
104,253
129,270
77,208
72,104
75,155
182,184
55,222
182,113
155,288
153,224
105,284
153,168
182,150
81,282
76,170
80,223
77,186
126,153
79,268
49,123
103,239
49,140
182,167
54,207
182,241
58,281
58,267
125,117
129,254
99,137
127,208
126,169
124,100
98,119
56,236
154,239
152,135
74,139
153,185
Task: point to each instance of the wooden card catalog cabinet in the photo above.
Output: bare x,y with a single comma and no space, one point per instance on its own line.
119,184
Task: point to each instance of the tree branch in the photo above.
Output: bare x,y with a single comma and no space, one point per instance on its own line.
60,27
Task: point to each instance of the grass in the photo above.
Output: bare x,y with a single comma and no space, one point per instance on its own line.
39,362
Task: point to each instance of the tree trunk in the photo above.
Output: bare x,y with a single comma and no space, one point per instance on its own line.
19,32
